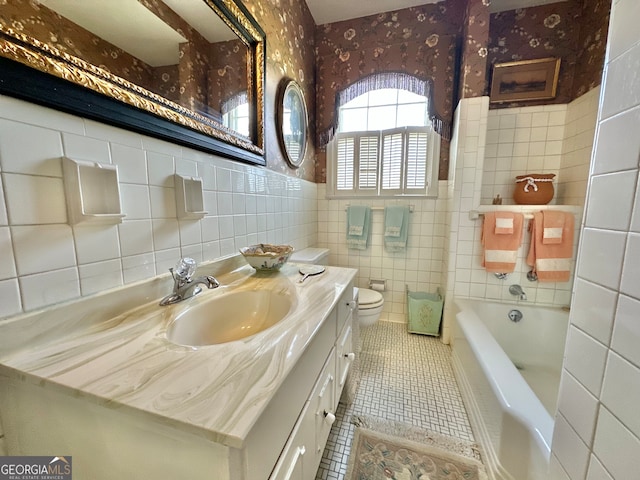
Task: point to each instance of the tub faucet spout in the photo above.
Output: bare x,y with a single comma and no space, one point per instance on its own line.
517,290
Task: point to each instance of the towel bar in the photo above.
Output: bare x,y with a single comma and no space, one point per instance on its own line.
376,209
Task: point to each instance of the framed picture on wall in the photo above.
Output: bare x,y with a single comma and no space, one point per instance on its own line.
525,80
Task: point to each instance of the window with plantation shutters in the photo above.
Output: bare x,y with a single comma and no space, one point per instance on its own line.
394,161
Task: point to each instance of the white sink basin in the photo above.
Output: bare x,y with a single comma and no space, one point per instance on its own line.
229,317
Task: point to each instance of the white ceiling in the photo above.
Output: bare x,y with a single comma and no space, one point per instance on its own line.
329,11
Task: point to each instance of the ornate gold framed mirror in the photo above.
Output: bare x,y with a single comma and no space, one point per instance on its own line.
188,71
292,123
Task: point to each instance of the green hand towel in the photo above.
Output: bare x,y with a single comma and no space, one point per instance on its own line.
358,221
396,228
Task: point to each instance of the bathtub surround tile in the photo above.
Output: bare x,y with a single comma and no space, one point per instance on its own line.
571,452
43,248
611,200
615,446
621,391
579,407
626,331
555,469
631,274
585,359
593,309
604,251
34,200
618,146
61,285
597,471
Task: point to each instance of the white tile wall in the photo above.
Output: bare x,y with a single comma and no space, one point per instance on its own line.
605,314
541,139
43,260
419,267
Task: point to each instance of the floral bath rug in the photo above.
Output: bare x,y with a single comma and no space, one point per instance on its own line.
377,456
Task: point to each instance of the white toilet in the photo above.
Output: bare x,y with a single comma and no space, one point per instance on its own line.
312,255
370,302
370,305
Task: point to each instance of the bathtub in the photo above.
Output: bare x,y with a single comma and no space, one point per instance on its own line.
509,375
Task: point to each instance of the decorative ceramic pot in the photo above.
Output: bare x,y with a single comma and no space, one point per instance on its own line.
534,189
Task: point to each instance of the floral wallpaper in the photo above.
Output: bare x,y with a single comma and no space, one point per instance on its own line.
575,31
474,50
420,41
594,28
290,28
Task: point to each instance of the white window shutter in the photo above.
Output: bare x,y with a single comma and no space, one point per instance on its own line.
345,163
392,158
416,161
368,163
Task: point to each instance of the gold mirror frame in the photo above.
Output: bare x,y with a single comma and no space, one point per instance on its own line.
292,122
122,103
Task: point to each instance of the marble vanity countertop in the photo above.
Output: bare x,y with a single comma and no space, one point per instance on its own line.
126,362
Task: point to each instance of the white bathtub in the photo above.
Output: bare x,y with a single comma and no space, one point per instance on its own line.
509,374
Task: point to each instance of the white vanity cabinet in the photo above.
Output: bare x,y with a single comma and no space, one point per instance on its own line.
125,403
302,454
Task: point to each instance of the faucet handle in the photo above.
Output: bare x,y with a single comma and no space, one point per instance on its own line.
184,269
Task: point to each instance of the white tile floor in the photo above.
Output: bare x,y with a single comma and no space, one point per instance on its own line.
406,378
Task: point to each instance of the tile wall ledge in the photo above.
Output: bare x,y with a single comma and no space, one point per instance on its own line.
527,210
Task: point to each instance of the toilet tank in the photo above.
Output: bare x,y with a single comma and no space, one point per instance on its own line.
316,256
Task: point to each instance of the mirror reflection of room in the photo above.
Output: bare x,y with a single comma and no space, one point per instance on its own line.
180,50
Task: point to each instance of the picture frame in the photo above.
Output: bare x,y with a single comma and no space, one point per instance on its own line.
525,80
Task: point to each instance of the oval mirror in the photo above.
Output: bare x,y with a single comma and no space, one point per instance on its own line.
292,123
188,71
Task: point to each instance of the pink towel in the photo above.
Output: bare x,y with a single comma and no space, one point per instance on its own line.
553,225
501,250
551,261
504,223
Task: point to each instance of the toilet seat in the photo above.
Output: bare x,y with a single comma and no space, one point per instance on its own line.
369,299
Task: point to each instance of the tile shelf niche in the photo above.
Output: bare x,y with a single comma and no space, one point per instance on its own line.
92,192
189,197
527,210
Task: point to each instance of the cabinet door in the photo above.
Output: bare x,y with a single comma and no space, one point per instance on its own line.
323,408
345,356
293,460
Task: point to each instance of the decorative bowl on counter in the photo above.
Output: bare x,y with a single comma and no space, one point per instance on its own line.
265,256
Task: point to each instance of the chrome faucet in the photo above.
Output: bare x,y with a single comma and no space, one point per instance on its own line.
517,290
184,286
